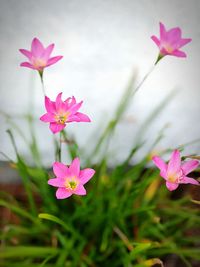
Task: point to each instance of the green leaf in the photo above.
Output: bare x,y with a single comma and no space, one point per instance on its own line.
26,251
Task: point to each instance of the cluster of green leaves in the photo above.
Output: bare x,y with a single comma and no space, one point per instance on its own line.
126,219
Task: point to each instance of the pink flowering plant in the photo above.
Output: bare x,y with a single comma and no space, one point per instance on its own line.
70,180
88,210
39,57
174,172
59,113
170,42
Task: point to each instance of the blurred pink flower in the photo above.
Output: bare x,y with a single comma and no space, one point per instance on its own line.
170,42
174,172
39,57
70,180
61,112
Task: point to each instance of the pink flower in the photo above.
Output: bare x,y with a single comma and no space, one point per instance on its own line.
39,57
70,180
174,172
59,113
170,42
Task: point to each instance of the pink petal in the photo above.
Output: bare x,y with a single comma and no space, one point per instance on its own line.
73,118
56,127
162,32
189,166
48,117
174,36
83,117
80,190
73,109
74,168
57,182
28,65
171,186
49,105
60,170
184,41
47,52
53,60
188,180
85,175
70,101
178,53
37,48
62,193
26,53
156,40
58,100
60,105
78,117
162,166
175,162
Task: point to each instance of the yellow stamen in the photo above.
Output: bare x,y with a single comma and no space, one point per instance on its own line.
175,177
62,118
71,183
172,178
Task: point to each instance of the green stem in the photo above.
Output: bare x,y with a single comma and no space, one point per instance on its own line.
159,58
13,142
42,81
144,79
22,169
33,145
60,147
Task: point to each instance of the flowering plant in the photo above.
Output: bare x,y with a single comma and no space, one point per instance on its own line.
100,215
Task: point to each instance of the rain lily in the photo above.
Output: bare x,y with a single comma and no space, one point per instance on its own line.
39,57
170,42
59,113
175,172
70,180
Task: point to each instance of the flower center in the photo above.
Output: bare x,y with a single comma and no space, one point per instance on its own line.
168,48
39,63
71,183
62,118
172,178
175,177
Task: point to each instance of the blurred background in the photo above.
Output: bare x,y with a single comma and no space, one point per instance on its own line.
103,44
